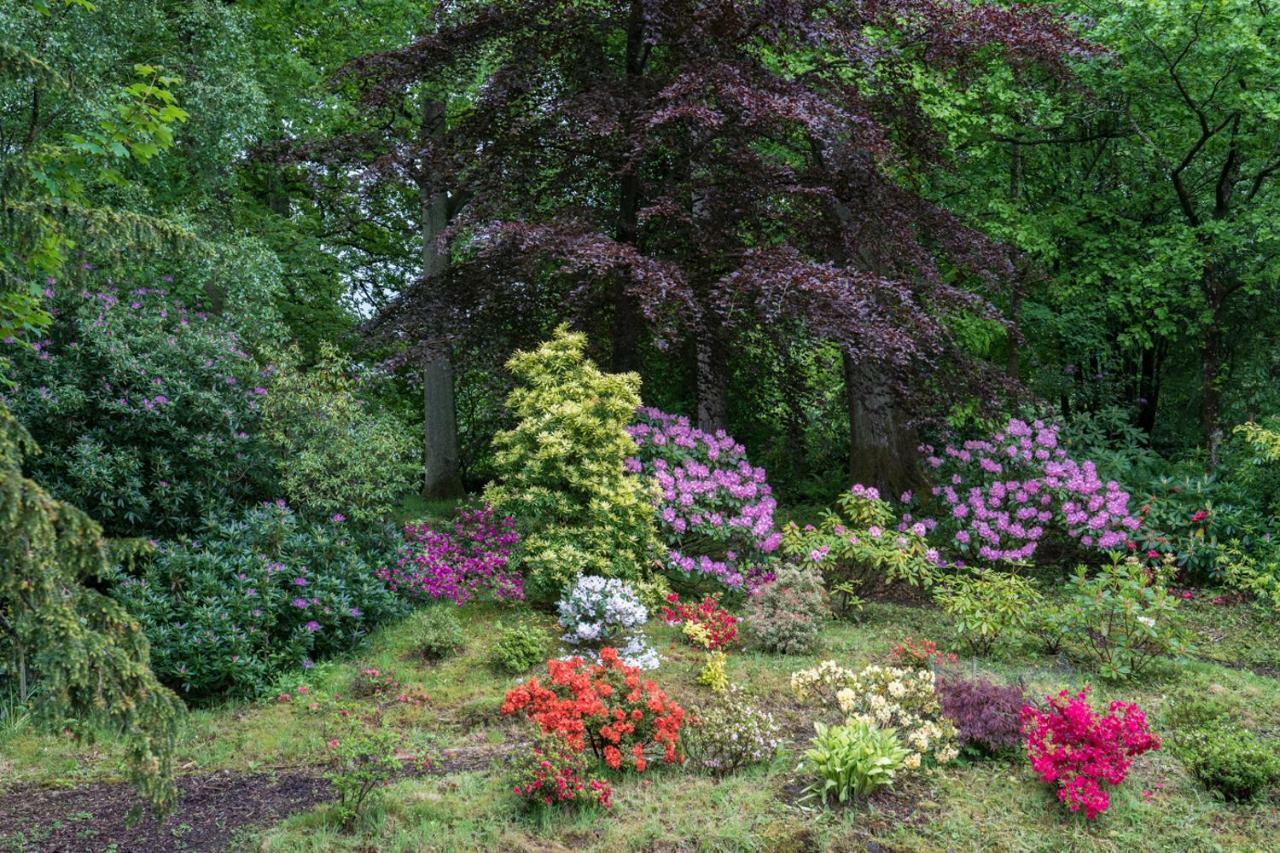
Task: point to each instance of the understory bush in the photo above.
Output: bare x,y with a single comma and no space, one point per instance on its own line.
987,716
851,760
1008,493
473,560
517,648
599,612
340,454
1123,617
253,597
714,509
731,733
1229,760
560,470
148,411
986,605
605,707
1078,750
787,615
438,633
706,624
862,544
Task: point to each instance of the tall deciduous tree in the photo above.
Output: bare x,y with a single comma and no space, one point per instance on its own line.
714,166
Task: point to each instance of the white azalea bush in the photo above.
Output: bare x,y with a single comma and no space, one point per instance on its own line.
731,733
904,700
598,612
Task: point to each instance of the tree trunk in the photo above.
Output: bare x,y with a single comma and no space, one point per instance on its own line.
441,477
1210,366
713,380
882,453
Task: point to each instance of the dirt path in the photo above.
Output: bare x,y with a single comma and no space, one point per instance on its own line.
213,808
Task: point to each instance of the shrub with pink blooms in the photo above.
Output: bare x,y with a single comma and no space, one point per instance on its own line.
1080,751
1007,494
715,509
471,560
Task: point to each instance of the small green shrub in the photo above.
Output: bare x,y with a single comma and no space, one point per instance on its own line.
560,470
438,632
731,733
851,760
786,616
986,605
519,648
1124,618
1230,761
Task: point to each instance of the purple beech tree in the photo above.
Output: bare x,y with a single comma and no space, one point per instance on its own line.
692,169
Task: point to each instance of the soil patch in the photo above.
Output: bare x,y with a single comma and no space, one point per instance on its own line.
212,809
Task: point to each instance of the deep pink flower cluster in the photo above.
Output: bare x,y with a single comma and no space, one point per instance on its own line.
1072,746
469,561
1007,493
715,510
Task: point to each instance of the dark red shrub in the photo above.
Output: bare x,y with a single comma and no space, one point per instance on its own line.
988,716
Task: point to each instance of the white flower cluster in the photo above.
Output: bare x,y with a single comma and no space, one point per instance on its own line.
601,612
820,684
905,700
732,733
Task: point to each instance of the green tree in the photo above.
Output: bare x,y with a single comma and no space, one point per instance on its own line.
90,657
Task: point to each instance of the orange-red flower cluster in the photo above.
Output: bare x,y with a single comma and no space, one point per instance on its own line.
720,625
606,707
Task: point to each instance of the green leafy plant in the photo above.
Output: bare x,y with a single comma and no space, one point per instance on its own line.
340,454
851,760
986,605
438,632
1123,617
519,647
860,546
786,616
560,470
1229,760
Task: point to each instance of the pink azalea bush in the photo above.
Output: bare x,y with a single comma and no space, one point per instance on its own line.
715,509
473,559
1072,746
1006,494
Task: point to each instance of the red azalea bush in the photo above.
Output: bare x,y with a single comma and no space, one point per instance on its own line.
1072,746
605,706
552,773
924,655
719,625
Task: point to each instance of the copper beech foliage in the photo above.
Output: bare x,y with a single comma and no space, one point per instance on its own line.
701,166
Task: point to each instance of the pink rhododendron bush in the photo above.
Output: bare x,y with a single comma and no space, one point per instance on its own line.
715,509
1079,750
1007,494
473,559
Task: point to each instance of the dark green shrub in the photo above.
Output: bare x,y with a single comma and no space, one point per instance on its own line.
1230,761
519,648
438,632
256,596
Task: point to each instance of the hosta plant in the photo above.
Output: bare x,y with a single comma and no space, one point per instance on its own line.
851,760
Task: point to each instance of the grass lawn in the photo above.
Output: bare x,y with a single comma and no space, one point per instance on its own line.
464,803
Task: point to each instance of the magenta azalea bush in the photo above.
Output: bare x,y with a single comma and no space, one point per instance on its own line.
1008,493
1079,750
471,560
715,509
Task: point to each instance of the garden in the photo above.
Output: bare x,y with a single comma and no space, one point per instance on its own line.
726,426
